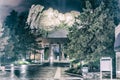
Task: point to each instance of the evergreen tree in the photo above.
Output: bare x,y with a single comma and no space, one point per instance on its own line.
10,23
22,34
27,37
111,4
22,38
93,37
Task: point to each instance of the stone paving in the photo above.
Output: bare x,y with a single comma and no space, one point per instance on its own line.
65,76
7,76
94,76
51,73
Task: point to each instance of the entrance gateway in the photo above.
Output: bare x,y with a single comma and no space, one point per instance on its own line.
105,66
53,44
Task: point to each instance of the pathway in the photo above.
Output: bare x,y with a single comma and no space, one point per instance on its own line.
61,75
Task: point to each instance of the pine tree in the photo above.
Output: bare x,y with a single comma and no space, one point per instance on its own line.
10,24
26,39
22,40
93,37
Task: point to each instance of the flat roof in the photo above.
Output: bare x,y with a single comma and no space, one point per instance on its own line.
60,33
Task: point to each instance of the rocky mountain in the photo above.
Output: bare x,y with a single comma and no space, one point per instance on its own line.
49,19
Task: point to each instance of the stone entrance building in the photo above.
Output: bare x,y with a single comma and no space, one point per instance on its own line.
117,50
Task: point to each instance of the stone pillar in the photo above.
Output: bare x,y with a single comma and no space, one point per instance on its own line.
51,56
59,51
42,55
62,53
118,65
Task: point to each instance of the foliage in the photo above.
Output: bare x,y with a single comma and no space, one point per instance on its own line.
94,36
20,62
23,39
3,39
111,4
76,71
10,24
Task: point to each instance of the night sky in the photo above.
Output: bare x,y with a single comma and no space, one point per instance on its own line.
24,5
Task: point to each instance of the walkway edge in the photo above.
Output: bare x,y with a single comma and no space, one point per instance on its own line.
58,73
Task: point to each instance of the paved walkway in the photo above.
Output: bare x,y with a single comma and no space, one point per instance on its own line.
49,73
61,75
58,73
7,76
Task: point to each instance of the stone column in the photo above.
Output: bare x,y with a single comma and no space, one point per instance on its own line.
51,56
42,55
62,53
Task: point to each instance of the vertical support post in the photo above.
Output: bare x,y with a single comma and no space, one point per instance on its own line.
101,75
100,71
60,52
116,63
106,65
111,70
0,61
34,56
43,57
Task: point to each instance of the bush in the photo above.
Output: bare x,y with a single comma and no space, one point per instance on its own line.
75,70
20,62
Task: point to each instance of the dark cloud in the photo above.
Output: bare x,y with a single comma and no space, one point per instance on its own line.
22,5
10,2
19,5
6,6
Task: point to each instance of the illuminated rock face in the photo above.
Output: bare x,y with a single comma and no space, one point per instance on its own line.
49,19
34,15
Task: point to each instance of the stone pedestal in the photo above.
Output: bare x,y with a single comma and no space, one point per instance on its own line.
118,65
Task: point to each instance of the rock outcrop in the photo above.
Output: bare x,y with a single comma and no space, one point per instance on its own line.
49,19
34,15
